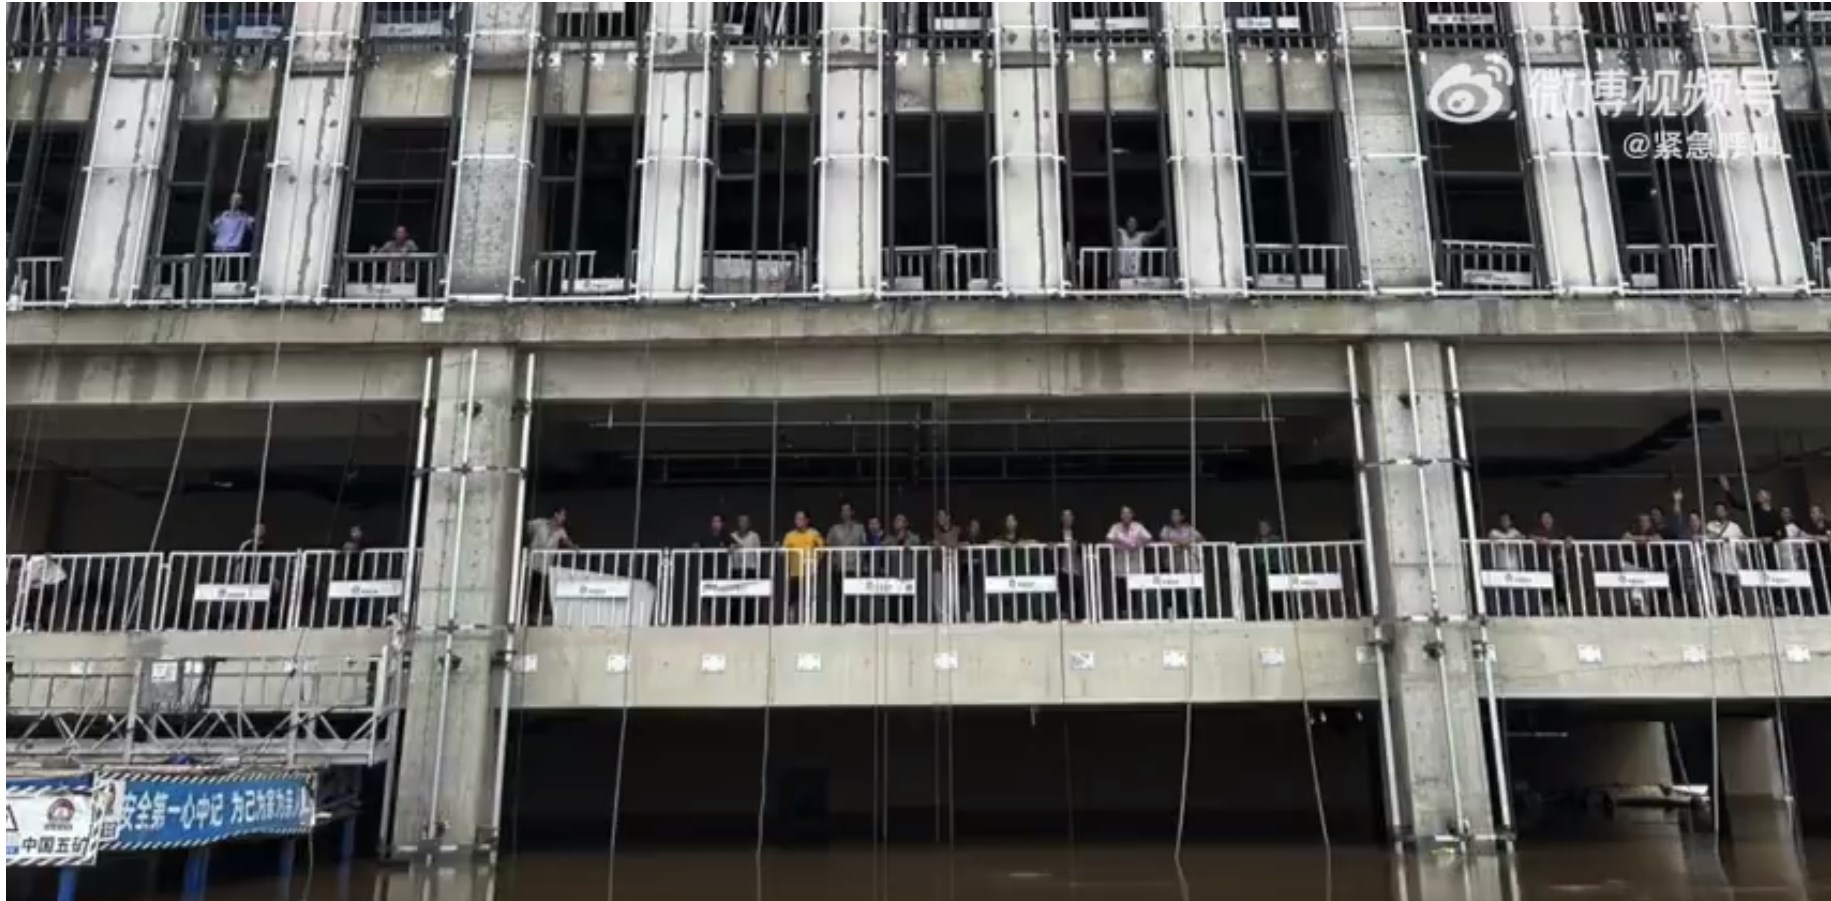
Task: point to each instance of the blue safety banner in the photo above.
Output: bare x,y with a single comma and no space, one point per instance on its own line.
141,812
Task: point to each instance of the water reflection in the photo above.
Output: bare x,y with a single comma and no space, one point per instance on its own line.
1645,862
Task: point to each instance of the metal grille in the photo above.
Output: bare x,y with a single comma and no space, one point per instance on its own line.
736,587
57,29
1796,24
355,589
1662,579
595,589
1303,581
1162,583
600,22
1452,25
247,24
1106,24
34,280
1626,25
1307,25
82,592
768,24
210,591
406,25
940,26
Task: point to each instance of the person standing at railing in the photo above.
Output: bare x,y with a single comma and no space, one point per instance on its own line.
1128,538
1509,554
802,542
1070,584
747,560
232,231
401,244
1184,540
847,538
1722,532
1764,517
1817,530
545,536
1554,543
1131,241
1268,561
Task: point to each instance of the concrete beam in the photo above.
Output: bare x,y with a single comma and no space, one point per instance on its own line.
1657,659
494,165
1804,321
228,377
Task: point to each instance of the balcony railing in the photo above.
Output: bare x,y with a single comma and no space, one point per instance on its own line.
1124,269
1796,24
57,29
411,26
1115,24
738,272
768,24
1487,265
208,591
562,273
1671,579
35,280
940,26
210,276
946,269
391,276
1281,25
1679,267
1303,267
250,25
1625,25
1457,25
603,23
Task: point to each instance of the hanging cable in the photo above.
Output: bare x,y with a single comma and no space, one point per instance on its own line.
798,578
1709,613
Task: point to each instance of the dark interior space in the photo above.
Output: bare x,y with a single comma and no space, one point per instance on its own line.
762,199
1479,181
1290,169
401,178
589,193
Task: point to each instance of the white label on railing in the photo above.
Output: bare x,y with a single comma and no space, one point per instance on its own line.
592,590
366,588
1496,278
232,594
1305,582
165,671
1163,581
1775,578
1655,581
1513,578
734,588
1020,585
1468,19
879,587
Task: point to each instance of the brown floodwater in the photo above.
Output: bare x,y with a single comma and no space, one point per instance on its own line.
1642,864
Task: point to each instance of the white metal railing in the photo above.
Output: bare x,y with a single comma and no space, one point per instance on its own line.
35,280
57,29
1456,25
1117,24
1163,582
741,272
874,586
221,276
1011,584
1653,578
1123,268
1317,580
354,589
586,589
241,23
1281,24
773,24
209,590
1303,267
944,268
564,273
410,22
940,25
1774,578
1487,265
82,592
599,22
1680,267
736,587
390,276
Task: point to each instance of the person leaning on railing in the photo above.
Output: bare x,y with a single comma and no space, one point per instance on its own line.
802,542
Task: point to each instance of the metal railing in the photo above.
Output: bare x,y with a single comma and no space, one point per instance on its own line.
228,24
563,273
600,22
255,709
1795,24
939,26
407,25
1622,25
211,276
354,589
1457,25
741,272
735,587
1487,265
774,24
1124,268
1021,583
1302,267
1162,582
1680,267
1271,25
35,280
82,592
1317,580
212,591
57,29
583,589
1117,24
1667,579
390,276
945,268
874,586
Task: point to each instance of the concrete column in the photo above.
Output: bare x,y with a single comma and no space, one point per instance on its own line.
445,775
1750,749
676,176
1439,746
494,164
299,220
1570,175
851,247
1210,236
127,154
1030,242
1392,221
1761,244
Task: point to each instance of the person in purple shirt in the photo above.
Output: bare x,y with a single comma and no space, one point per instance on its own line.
232,230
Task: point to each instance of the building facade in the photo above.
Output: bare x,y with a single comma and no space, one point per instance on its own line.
882,244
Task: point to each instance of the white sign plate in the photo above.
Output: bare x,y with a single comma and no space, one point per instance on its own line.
592,590
1020,585
879,587
1305,582
1513,578
734,588
232,594
366,588
1775,578
1163,581
1644,581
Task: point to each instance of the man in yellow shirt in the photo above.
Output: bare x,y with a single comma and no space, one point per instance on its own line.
802,541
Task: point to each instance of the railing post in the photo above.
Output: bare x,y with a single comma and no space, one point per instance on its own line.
1236,583
160,584
295,591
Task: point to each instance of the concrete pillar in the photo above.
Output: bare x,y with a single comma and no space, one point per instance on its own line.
445,775
1621,754
1750,749
851,247
127,154
676,176
1761,245
1439,745
494,147
299,240
1570,175
1392,221
1028,140
1758,806
1210,235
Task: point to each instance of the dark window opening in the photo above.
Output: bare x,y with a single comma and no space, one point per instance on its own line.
617,22
244,24
398,206
210,227
939,25
1281,24
1293,208
57,29
1808,144
1474,25
41,200
1620,25
1796,24
1481,205
762,205
768,24
588,189
1106,23
1119,226
1663,207
940,209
